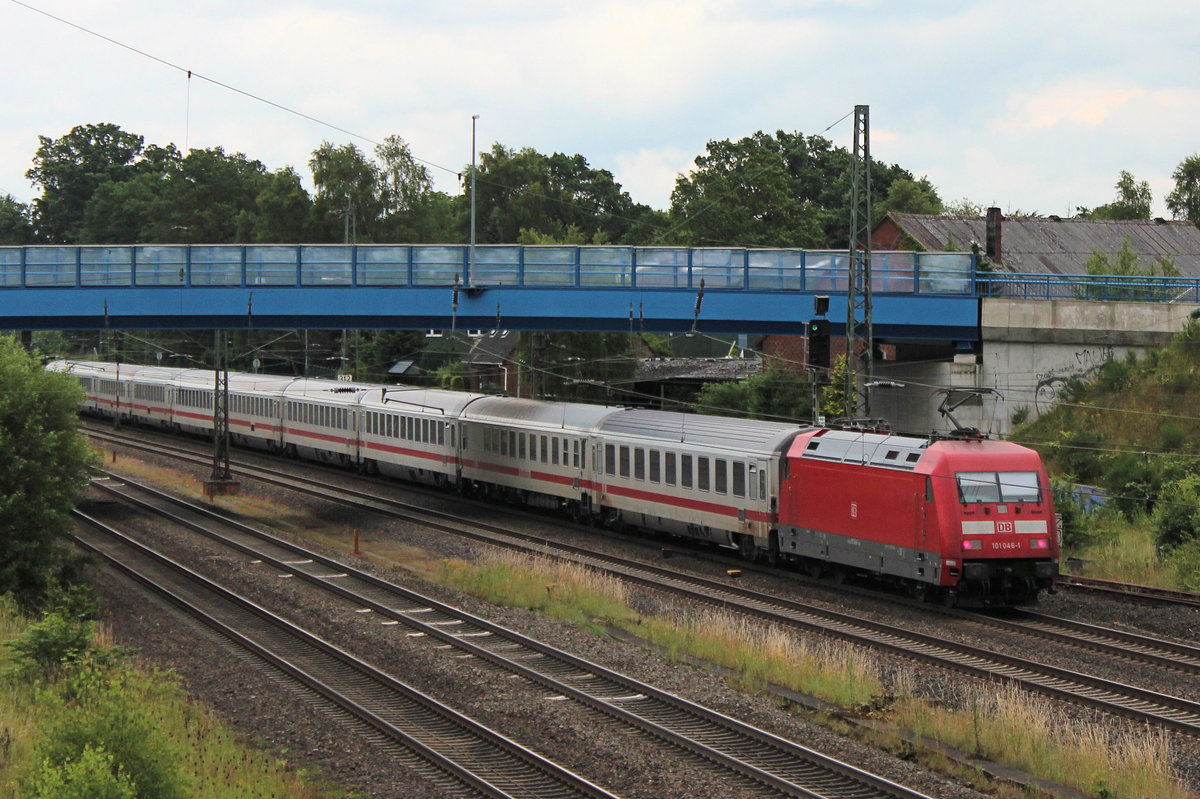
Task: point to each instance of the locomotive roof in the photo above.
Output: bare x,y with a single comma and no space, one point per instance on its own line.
846,446
744,435
549,415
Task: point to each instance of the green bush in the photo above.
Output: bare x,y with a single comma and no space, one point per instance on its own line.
1115,376
1171,436
1185,560
1133,483
1177,515
93,775
1079,455
55,642
99,710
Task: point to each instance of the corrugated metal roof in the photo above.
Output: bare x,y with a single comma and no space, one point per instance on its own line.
1060,246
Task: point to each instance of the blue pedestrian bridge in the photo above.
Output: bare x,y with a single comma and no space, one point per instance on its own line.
916,295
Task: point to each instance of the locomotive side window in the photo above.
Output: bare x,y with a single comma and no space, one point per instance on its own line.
624,461
655,465
685,466
670,468
610,459
739,479
554,451
546,452
639,464
702,474
721,476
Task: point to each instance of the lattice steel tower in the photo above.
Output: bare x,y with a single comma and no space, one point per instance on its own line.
859,337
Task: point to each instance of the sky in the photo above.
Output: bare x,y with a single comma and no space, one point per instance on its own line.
1033,106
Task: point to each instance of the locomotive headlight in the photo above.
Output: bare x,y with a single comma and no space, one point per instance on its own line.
972,546
1039,543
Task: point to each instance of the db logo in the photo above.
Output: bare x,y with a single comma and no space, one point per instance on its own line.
1005,527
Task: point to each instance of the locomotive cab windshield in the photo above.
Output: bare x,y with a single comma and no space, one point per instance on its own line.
983,487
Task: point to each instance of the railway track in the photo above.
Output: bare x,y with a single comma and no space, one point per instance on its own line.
474,756
1146,593
775,764
1139,704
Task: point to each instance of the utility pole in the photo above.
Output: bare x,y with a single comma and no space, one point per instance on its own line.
221,480
471,260
858,294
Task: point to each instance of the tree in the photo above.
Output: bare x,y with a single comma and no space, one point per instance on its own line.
1133,201
402,181
906,196
1184,200
1125,264
209,197
44,466
741,194
777,395
548,195
785,190
284,209
70,169
349,198
16,221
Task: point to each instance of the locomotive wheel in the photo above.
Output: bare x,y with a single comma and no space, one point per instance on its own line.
747,548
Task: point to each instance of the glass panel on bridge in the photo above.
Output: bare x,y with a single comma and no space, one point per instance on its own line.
549,266
160,266
893,271
605,266
437,266
326,266
826,271
105,266
776,269
271,266
216,265
10,267
945,272
496,266
383,266
719,268
663,267
50,266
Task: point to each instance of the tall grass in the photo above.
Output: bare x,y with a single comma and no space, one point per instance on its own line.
1010,726
1125,551
999,723
102,711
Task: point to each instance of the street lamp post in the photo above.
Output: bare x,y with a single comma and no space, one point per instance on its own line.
471,264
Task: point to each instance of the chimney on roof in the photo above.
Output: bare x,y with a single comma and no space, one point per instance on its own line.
994,218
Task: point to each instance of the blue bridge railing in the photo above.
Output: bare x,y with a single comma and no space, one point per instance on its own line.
1088,287
381,265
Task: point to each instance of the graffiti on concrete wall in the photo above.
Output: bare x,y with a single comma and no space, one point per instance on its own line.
1083,365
